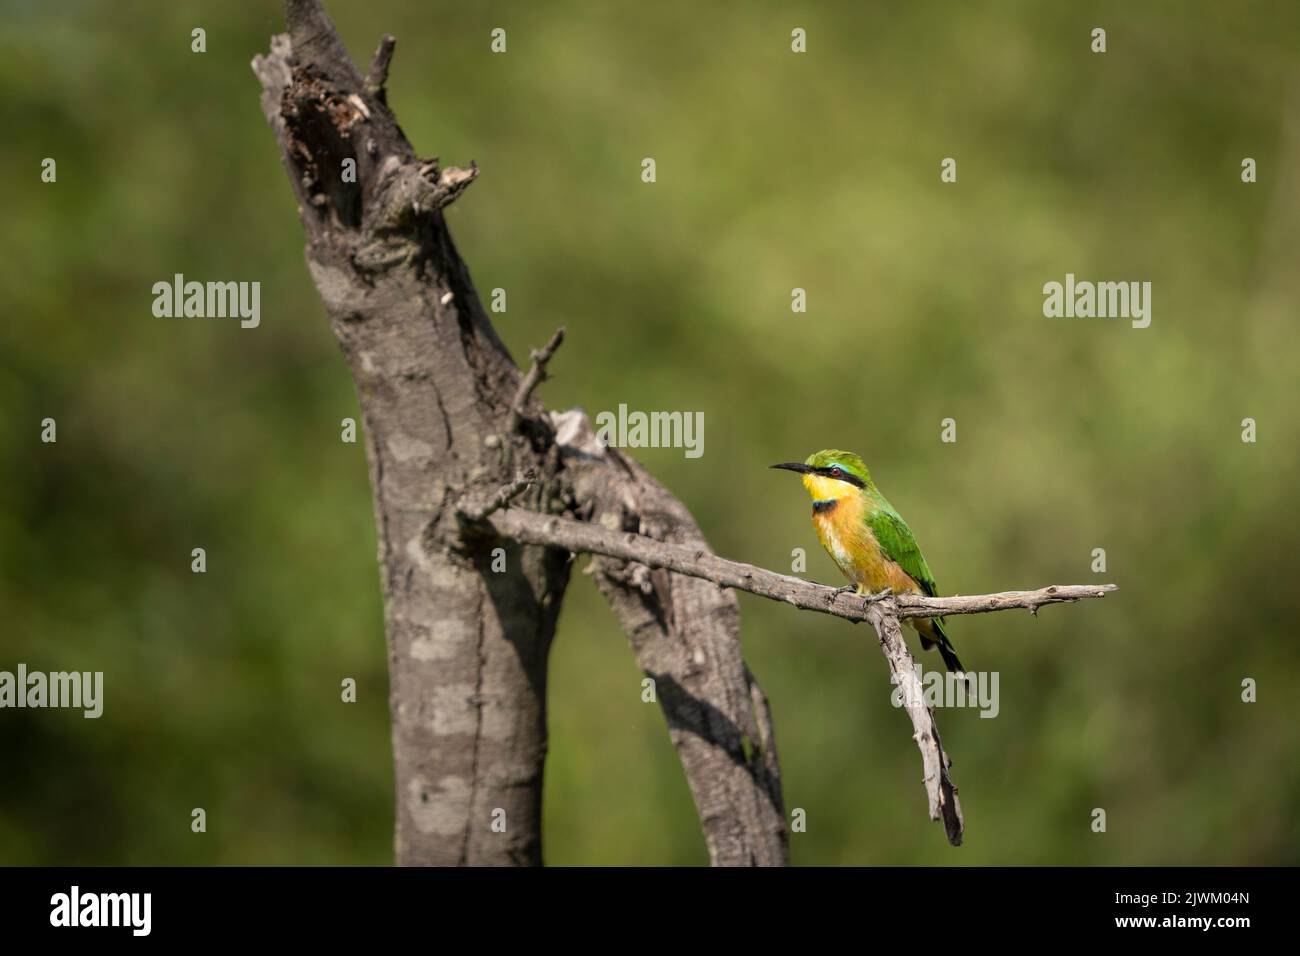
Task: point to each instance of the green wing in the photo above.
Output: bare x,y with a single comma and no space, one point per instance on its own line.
899,545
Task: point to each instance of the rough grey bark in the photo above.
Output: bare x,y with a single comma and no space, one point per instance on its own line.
467,649
449,417
685,633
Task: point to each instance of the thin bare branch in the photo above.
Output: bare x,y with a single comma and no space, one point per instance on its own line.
536,375
939,788
533,528
914,605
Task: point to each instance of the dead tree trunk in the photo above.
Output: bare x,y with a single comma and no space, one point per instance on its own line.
448,418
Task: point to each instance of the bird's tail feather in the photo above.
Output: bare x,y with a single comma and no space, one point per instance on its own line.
950,658
939,638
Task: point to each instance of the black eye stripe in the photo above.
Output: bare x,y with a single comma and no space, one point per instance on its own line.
831,472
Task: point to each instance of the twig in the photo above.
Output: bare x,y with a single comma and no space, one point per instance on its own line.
418,189
377,78
478,510
535,376
913,605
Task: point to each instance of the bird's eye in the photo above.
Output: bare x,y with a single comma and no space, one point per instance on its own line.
837,472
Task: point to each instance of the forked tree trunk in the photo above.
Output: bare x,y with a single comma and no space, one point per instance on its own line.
446,421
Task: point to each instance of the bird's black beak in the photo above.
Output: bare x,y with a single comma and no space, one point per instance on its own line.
794,466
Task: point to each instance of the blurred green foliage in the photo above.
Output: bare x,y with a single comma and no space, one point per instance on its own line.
775,170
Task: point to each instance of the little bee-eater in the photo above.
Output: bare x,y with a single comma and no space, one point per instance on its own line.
868,539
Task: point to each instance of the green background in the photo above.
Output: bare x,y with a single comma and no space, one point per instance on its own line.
775,171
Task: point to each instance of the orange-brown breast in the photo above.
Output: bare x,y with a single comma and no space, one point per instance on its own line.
849,541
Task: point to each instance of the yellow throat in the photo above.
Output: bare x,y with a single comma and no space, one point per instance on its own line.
827,489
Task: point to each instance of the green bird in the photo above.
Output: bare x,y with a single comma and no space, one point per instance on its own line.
868,539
